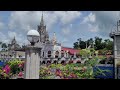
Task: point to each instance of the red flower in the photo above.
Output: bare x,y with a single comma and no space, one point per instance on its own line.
20,74
19,65
6,69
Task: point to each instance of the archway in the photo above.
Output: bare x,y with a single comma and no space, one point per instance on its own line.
49,53
62,62
62,53
48,61
56,54
71,61
43,62
55,62
78,61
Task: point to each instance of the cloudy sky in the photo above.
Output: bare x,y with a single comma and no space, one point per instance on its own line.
68,25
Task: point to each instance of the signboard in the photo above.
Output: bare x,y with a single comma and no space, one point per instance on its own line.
1,64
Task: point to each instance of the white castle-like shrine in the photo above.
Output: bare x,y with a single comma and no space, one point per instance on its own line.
51,49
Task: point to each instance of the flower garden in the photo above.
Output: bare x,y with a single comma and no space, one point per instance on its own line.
14,69
66,71
71,70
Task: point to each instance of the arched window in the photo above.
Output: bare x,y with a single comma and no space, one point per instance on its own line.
62,53
43,54
55,62
56,54
48,61
49,53
62,62
43,62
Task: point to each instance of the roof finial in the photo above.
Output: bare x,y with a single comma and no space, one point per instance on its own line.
54,38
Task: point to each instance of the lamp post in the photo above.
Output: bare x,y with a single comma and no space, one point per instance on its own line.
32,53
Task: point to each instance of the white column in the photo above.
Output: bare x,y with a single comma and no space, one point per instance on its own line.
46,54
32,63
74,54
64,54
59,54
53,54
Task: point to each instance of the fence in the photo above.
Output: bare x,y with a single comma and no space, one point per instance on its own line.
108,72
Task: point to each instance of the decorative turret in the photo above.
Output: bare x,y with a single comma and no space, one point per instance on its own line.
42,31
54,40
42,21
13,41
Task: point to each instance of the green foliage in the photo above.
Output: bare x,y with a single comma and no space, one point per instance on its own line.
98,43
85,53
4,45
92,62
68,71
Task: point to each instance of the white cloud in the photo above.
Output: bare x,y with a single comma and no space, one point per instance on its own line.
24,19
3,38
11,34
93,28
89,19
64,41
96,22
106,20
66,31
68,16
2,26
101,22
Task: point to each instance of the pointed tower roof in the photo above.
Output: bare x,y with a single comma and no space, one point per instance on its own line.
14,40
42,20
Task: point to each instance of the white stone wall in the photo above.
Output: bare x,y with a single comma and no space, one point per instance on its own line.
52,48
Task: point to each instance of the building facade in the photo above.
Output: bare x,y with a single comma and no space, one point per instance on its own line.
51,49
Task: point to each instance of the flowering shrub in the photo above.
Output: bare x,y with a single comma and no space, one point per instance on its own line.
68,71
6,69
14,67
71,70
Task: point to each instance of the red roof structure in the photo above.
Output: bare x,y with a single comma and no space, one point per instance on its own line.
70,50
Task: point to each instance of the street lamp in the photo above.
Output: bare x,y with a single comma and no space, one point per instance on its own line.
32,52
33,36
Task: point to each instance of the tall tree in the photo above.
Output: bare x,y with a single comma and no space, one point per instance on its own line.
90,42
108,44
4,46
98,43
76,45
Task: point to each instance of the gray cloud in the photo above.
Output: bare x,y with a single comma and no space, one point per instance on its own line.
106,20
